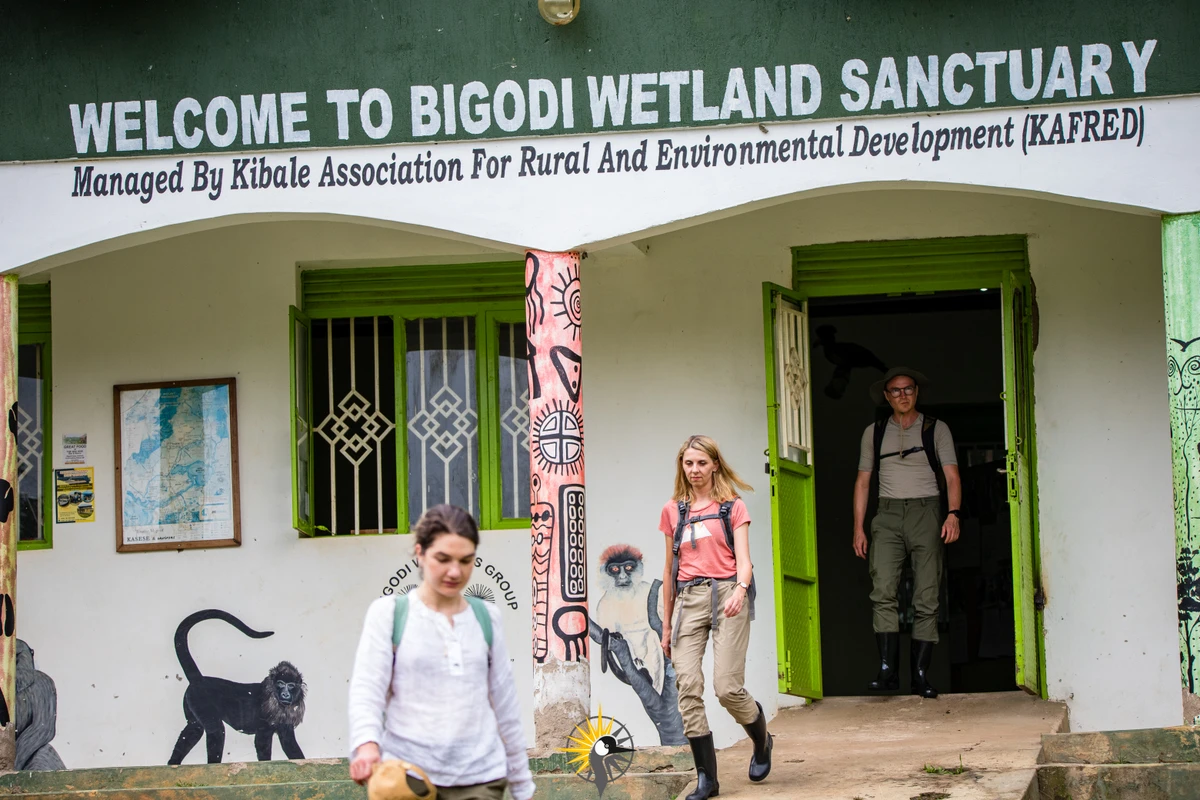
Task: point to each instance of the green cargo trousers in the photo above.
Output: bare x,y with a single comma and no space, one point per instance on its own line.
902,528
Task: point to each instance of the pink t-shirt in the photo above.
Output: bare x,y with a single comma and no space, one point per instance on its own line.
711,557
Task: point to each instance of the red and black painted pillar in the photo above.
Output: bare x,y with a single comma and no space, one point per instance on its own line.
9,514
562,677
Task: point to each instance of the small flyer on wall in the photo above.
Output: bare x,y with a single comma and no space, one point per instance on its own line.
74,448
74,491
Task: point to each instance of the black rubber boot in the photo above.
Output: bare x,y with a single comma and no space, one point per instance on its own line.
922,653
888,679
760,762
704,753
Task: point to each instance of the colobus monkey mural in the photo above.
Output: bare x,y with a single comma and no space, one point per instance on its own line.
627,624
275,706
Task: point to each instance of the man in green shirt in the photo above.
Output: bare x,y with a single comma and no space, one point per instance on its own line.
913,455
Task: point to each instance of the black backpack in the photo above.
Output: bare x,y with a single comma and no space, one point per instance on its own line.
723,514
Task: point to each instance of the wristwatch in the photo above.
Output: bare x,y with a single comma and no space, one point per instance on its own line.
745,586
956,512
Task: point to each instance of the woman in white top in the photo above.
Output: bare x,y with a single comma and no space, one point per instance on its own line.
441,700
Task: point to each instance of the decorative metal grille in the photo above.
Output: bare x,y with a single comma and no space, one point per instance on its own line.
443,414
354,444
791,348
514,420
31,443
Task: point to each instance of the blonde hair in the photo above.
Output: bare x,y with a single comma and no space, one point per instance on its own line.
724,478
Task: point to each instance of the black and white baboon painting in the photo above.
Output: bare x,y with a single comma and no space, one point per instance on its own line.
272,707
628,626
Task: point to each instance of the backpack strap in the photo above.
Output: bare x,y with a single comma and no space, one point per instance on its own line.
726,515
485,620
684,509
880,430
400,618
727,522
928,429
930,446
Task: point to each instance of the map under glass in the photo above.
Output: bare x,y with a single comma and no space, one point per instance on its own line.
176,464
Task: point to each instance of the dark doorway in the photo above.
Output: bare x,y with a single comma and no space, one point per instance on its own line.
955,338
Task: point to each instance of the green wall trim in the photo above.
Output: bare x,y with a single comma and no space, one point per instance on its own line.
331,292
907,265
201,53
33,308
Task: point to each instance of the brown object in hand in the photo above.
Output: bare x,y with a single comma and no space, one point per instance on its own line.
398,780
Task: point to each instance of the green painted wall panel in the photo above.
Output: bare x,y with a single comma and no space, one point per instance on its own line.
1181,289
55,55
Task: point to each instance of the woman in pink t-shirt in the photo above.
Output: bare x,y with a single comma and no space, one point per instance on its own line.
710,593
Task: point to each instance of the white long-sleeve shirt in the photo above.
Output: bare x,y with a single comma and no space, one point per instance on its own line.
437,704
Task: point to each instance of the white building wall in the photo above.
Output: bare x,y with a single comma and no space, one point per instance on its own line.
672,346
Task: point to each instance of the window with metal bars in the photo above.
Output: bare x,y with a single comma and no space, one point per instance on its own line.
400,405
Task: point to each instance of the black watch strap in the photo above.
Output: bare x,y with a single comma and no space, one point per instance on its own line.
956,512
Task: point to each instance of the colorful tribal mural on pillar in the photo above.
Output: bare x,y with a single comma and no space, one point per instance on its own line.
1181,289
553,306
8,519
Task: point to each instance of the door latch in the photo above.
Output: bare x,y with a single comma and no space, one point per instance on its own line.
1039,599
1010,462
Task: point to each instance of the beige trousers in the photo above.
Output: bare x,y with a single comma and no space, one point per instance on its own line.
693,610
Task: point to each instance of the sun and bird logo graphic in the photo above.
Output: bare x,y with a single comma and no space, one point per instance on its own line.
602,749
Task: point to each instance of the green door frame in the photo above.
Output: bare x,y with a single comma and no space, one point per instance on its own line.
793,523
925,266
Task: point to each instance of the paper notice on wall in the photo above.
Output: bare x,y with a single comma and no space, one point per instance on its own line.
74,495
74,447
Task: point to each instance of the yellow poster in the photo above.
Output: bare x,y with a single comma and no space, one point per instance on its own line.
75,494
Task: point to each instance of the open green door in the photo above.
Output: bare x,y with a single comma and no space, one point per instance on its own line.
1022,491
793,520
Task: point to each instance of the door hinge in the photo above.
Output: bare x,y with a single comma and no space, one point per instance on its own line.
1039,599
787,669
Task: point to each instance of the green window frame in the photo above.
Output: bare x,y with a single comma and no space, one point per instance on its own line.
489,294
33,329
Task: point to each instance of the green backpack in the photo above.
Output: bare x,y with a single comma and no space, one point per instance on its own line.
477,605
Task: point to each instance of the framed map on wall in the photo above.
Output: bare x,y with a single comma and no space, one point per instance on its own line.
176,465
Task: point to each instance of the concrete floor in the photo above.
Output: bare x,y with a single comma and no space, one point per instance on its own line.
876,748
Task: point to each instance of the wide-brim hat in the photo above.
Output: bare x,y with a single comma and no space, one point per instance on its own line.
878,386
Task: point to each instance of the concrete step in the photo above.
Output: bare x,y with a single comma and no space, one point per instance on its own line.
1147,746
1119,782
1115,765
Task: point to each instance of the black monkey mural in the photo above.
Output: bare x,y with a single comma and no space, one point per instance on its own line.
275,706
